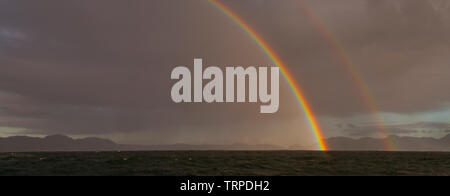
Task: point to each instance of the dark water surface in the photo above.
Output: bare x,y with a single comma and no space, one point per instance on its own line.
226,163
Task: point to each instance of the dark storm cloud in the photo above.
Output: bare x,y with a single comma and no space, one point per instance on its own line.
91,67
103,66
400,48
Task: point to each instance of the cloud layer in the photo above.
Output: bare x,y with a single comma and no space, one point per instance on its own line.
103,66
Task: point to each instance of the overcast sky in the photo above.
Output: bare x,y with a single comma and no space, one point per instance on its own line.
102,68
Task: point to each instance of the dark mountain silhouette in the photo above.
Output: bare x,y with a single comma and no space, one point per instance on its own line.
54,143
446,138
63,143
398,143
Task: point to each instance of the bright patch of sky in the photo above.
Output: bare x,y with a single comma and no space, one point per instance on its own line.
11,131
424,123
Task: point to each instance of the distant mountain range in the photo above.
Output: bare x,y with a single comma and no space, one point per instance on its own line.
391,142
55,143
63,143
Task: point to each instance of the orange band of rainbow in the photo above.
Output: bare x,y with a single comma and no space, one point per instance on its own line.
284,71
344,58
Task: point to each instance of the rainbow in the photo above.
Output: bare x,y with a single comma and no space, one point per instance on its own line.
312,121
341,54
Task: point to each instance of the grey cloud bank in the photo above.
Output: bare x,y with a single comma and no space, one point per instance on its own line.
103,67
